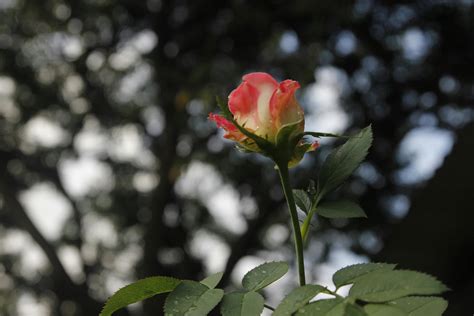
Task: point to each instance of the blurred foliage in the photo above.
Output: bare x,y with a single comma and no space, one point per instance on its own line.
116,94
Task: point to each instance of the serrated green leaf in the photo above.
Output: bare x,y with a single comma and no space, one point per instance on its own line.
332,307
340,209
351,273
263,275
382,286
329,307
342,161
242,304
421,306
212,280
138,291
383,310
302,200
354,310
192,298
206,303
297,299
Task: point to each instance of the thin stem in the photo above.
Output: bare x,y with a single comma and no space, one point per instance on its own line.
285,182
306,223
334,293
269,307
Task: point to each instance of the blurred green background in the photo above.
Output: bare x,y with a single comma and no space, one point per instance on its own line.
110,171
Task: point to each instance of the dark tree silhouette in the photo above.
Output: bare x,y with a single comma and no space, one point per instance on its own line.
149,70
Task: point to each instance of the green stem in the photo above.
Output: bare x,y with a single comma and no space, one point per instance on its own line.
269,307
285,182
328,291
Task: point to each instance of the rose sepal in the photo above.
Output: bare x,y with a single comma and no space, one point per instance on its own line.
320,134
285,143
287,140
286,148
264,145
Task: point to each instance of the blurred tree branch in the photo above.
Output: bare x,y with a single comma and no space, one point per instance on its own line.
64,286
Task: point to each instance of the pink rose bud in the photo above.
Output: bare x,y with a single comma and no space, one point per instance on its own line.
263,106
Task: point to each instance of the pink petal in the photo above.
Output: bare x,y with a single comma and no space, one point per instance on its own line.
243,100
250,102
283,106
231,130
258,79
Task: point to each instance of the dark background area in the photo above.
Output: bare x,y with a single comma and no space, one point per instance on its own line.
110,171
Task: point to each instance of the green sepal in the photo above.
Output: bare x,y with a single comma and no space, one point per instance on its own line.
266,146
299,151
319,135
288,137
